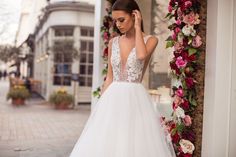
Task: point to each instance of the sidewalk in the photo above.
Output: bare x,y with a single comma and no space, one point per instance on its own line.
38,130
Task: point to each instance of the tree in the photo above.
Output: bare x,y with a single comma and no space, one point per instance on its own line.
8,52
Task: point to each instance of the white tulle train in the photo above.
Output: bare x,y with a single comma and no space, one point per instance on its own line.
123,123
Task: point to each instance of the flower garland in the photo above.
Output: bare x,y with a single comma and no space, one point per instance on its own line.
108,31
187,48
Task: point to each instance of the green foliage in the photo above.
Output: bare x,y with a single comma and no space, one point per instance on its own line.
97,92
61,97
8,52
18,92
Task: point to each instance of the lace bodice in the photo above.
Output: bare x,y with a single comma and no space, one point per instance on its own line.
132,69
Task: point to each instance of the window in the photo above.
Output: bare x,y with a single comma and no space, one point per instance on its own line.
62,62
64,31
86,63
87,32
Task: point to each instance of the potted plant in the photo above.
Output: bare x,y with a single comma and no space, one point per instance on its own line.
18,94
61,99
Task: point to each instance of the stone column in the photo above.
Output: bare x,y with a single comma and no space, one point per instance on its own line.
98,60
218,80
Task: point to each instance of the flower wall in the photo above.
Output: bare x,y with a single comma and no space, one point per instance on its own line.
187,47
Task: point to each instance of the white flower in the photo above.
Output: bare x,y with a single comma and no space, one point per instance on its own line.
187,146
180,37
179,112
189,30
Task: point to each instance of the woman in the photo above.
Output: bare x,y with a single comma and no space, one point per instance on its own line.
123,122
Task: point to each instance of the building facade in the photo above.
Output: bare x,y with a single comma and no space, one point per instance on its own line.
64,46
30,13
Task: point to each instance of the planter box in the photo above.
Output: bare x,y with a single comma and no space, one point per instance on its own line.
18,101
62,106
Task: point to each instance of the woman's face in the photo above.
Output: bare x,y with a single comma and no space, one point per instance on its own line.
123,20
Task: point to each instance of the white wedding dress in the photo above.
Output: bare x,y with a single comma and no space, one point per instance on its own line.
123,122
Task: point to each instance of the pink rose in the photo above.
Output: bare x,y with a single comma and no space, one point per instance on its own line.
177,30
170,9
105,36
197,41
187,120
188,4
174,37
180,62
178,22
179,92
178,100
191,19
178,46
179,12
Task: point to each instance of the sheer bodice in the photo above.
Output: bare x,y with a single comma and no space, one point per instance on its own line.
132,69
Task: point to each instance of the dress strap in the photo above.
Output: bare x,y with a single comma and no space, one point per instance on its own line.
114,41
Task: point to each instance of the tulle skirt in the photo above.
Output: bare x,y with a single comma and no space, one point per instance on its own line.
123,123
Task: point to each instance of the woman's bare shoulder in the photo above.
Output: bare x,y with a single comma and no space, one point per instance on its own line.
152,39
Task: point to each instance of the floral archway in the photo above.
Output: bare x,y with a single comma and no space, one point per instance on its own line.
187,18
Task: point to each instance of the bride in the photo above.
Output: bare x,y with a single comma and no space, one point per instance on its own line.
123,122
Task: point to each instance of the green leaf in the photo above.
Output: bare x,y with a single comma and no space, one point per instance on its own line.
169,14
173,131
169,38
104,72
192,51
180,127
194,102
169,44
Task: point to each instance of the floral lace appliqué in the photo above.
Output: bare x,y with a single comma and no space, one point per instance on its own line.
132,70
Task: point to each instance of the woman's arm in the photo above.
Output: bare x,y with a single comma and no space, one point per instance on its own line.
109,76
143,50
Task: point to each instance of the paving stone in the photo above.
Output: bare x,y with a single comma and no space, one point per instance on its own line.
38,130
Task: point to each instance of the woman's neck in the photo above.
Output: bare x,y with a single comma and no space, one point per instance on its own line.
130,33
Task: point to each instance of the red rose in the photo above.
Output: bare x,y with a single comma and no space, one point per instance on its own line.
175,138
186,56
189,82
185,105
105,52
175,68
184,155
192,58
172,126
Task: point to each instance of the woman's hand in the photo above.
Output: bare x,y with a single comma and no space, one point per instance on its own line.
138,19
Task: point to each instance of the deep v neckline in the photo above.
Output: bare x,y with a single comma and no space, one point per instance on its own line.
121,61
120,53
